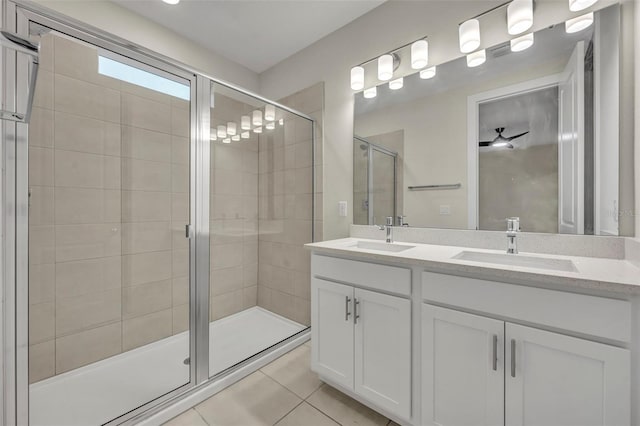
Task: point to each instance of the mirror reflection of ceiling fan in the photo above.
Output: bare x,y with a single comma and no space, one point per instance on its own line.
501,141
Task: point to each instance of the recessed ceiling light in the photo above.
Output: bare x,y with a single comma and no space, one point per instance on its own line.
171,1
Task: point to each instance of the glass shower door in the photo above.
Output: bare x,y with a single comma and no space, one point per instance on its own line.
383,186
109,198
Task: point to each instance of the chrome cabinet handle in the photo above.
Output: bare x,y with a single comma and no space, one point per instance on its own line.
356,315
347,300
513,358
495,352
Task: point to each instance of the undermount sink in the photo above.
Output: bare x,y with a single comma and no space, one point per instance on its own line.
518,260
373,245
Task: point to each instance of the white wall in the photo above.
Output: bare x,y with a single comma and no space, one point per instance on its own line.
125,24
390,25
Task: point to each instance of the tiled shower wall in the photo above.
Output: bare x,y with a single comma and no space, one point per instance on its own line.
109,180
285,202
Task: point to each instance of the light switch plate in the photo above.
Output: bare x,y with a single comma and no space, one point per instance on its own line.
342,208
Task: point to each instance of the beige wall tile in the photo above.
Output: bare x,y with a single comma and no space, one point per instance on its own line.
78,313
226,231
41,205
42,322
84,134
283,304
82,170
40,166
89,346
145,113
180,318
302,312
250,275
146,329
84,205
75,242
43,96
180,263
226,280
227,182
46,51
180,286
225,305
143,92
78,60
146,298
179,178
180,207
226,256
145,237
178,238
41,128
41,244
146,267
146,144
179,150
227,206
41,283
86,99
42,361
180,123
146,206
249,297
142,175
86,277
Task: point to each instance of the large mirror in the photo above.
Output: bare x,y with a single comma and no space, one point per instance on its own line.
534,134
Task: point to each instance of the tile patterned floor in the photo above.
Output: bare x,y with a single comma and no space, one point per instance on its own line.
283,393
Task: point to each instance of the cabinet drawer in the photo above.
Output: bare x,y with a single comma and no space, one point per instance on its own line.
364,274
591,315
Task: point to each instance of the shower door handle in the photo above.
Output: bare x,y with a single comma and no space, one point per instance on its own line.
187,231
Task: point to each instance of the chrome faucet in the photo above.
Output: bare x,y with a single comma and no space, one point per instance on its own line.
513,227
389,227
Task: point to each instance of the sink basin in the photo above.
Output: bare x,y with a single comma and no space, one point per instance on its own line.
390,247
518,260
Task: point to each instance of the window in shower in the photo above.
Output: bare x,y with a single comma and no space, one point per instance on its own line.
108,257
261,213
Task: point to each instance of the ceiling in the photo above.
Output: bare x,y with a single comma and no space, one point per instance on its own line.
255,33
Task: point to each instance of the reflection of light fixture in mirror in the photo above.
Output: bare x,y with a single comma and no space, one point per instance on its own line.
213,136
578,5
476,59
522,43
245,135
269,112
257,118
226,140
396,84
222,131
281,122
245,122
235,138
428,73
257,130
419,54
371,92
171,1
357,78
579,23
231,128
499,144
385,67
270,125
519,16
469,32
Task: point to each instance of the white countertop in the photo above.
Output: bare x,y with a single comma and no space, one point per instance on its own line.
608,275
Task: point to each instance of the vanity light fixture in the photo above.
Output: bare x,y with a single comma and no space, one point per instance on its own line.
281,122
171,1
222,131
396,84
371,92
469,33
269,112
257,130
579,23
476,59
419,54
428,73
578,5
257,118
270,125
235,138
245,122
519,16
213,136
357,78
522,43
245,135
385,67
231,128
226,140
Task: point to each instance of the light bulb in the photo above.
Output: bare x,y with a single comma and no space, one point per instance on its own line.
469,33
385,67
521,43
357,78
281,122
257,118
396,84
428,73
171,1
235,138
222,131
578,24
269,112
371,92
245,122
231,128
245,135
213,136
226,140
519,16
419,54
257,130
270,125
578,5
476,59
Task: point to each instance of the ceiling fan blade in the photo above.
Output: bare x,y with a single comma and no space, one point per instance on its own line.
485,143
516,136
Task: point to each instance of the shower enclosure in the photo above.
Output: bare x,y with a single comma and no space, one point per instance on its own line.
159,225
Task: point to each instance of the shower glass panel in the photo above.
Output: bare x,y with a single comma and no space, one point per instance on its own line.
261,215
109,186
383,185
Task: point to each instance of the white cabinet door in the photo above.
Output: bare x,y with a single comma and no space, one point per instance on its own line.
332,331
462,368
552,379
383,351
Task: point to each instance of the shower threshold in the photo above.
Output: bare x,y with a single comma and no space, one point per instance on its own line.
99,392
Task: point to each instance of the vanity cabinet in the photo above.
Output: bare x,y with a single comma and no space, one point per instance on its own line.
483,371
362,342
